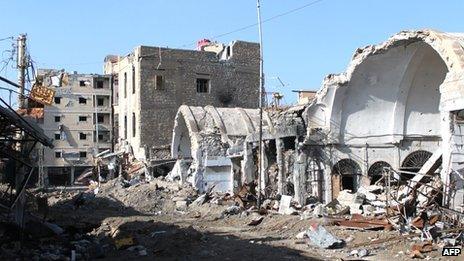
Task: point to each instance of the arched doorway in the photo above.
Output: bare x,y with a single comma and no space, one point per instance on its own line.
376,171
345,175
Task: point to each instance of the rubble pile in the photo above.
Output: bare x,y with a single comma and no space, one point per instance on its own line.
122,163
412,207
100,222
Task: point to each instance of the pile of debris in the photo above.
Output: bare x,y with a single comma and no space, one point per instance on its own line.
411,207
123,164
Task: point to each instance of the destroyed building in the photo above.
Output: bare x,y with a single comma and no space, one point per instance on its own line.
216,148
154,81
79,121
399,106
398,103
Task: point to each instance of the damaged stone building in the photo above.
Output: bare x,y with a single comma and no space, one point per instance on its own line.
78,121
216,148
154,81
399,105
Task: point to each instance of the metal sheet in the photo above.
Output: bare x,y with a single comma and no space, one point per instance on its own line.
42,94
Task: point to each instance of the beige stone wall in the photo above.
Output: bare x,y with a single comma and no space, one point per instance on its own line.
233,82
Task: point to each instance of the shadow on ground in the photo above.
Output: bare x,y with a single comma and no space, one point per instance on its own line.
171,242
108,221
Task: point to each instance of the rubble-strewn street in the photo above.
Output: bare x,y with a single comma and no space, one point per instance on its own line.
164,220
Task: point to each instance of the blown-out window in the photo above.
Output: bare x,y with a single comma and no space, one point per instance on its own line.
202,85
133,124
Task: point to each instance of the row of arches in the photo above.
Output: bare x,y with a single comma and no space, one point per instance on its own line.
346,173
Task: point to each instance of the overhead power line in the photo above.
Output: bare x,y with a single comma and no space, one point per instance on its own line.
7,38
262,22
243,28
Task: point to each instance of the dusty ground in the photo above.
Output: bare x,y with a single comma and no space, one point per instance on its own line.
147,214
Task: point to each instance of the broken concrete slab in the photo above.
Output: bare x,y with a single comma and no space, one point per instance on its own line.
320,237
374,189
285,205
346,198
319,211
301,235
355,208
199,201
367,194
232,210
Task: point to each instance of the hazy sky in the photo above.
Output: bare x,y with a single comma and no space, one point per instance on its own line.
300,48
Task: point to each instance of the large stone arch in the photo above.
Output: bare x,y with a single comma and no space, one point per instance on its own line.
185,133
376,170
384,80
396,93
192,124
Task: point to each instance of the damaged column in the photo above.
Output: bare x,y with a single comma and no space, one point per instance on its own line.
299,175
280,166
247,164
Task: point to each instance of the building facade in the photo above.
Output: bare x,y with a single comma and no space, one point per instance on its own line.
154,81
79,121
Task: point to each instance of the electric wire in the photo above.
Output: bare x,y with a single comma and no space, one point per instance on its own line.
219,35
7,38
262,22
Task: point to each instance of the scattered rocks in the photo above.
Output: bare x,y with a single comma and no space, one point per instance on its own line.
301,235
181,205
359,252
199,201
232,210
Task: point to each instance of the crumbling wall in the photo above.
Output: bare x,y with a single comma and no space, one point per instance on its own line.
232,82
216,141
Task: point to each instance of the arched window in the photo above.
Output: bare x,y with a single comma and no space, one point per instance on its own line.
414,161
377,170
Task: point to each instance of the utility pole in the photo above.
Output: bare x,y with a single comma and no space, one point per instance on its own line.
21,65
20,175
42,182
261,92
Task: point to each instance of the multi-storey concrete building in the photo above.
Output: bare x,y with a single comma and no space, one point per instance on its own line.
111,66
79,121
154,81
